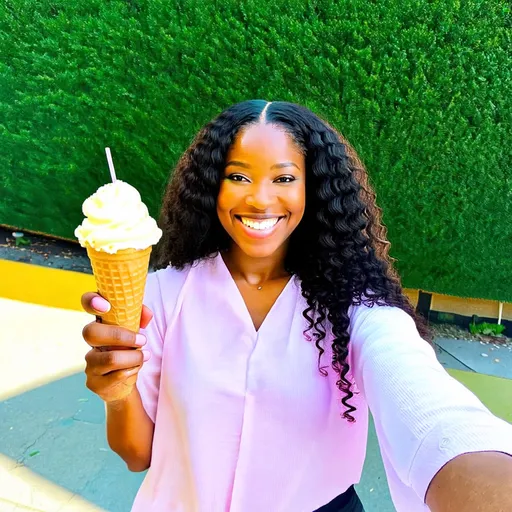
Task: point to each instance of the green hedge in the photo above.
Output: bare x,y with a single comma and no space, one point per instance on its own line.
421,88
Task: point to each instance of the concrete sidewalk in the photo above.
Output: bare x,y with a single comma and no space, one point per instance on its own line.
53,451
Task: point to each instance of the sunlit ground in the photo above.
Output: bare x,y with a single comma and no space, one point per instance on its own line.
53,452
47,447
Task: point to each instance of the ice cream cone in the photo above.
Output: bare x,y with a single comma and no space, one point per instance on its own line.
119,233
121,279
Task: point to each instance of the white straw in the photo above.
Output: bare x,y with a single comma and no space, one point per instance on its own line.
111,165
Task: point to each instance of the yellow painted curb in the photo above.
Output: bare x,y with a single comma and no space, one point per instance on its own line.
41,285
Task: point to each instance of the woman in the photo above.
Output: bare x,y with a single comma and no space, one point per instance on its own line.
274,321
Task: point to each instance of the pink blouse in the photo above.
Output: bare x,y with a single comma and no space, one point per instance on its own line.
245,422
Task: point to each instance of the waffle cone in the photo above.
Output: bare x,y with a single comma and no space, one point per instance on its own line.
121,279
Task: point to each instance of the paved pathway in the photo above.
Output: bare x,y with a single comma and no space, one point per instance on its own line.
488,359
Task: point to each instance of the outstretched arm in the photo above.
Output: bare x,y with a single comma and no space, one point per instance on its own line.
476,482
440,445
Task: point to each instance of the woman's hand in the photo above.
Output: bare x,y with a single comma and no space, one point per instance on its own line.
113,361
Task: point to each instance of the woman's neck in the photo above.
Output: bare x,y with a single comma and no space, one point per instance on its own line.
255,271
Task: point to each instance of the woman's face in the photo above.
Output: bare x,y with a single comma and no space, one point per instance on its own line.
262,195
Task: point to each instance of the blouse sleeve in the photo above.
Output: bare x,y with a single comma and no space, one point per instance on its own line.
161,296
423,416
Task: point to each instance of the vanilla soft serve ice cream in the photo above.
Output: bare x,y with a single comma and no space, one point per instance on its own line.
116,219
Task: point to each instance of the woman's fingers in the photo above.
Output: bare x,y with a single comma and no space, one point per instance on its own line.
103,363
114,386
112,363
94,304
103,335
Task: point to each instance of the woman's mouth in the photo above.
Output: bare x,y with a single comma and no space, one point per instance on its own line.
258,228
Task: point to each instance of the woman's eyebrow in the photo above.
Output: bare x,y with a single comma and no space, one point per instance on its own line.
238,164
275,166
284,164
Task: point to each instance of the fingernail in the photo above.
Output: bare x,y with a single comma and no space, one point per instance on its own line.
140,340
100,304
147,355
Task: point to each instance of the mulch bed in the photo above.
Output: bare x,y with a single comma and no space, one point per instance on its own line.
458,333
44,251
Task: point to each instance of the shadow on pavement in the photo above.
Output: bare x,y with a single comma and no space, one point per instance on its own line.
58,432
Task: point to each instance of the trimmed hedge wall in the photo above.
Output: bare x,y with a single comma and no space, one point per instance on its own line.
422,89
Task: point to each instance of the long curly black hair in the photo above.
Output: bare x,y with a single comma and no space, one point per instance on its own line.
339,251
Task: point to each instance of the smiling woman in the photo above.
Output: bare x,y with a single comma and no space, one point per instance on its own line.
273,323
262,195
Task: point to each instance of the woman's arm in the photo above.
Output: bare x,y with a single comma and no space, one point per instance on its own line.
476,482
131,422
130,431
427,422
113,367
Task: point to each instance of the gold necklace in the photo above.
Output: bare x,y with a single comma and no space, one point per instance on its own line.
258,287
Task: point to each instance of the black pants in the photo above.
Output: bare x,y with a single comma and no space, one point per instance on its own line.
347,502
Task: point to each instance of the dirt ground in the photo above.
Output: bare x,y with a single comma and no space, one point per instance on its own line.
45,251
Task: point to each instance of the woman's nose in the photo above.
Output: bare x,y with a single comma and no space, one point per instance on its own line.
260,197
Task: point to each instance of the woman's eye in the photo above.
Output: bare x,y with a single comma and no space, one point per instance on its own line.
285,179
236,177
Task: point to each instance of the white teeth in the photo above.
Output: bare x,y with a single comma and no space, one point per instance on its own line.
259,225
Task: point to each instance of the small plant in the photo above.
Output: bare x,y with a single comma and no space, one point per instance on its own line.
486,328
20,239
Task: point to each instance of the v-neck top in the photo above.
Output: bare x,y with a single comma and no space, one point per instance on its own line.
245,422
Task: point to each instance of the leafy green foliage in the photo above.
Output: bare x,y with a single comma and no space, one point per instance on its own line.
422,89
22,241
486,328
